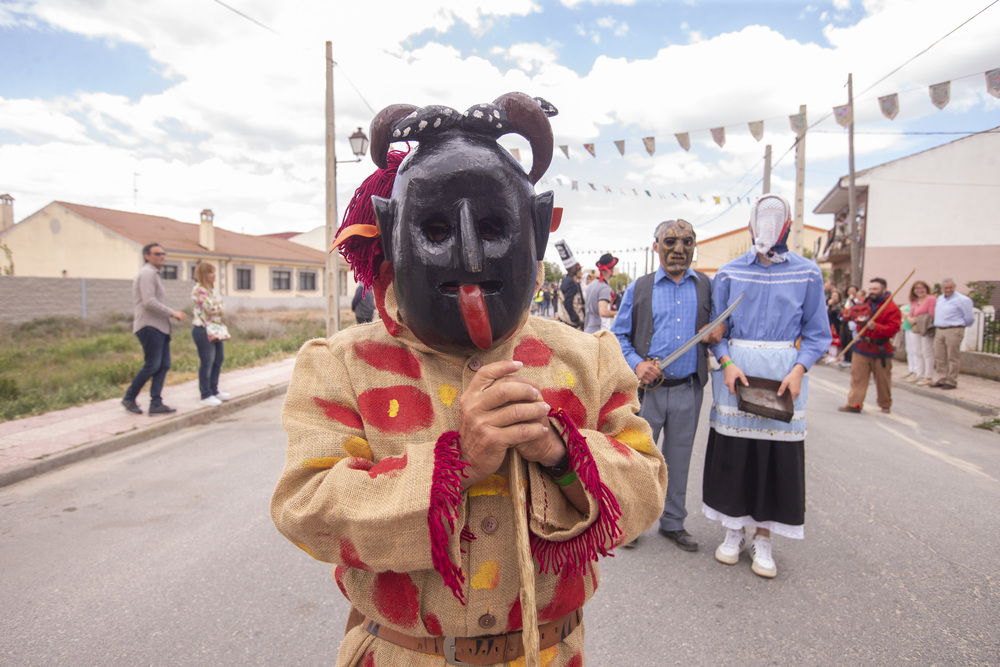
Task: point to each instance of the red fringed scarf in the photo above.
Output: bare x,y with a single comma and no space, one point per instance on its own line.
363,251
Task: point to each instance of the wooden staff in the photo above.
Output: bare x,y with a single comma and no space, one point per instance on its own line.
872,318
525,562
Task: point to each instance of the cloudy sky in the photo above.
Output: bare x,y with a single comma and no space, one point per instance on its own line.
169,107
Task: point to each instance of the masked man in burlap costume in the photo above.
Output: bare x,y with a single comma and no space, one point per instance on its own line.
397,468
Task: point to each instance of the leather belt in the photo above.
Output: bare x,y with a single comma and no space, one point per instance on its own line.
668,382
485,650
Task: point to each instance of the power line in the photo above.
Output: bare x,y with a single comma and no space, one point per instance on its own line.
935,43
272,30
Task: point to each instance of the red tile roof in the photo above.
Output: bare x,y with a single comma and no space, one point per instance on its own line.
184,236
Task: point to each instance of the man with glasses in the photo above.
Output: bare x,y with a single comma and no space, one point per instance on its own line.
152,326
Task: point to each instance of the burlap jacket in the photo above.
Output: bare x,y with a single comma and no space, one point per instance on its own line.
371,483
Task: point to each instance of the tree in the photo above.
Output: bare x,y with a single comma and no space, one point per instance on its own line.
553,273
981,296
9,269
618,281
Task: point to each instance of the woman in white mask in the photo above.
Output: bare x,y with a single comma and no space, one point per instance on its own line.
754,482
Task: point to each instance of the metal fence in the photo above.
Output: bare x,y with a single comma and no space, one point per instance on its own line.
991,333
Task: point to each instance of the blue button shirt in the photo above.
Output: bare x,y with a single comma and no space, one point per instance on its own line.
675,313
782,302
955,311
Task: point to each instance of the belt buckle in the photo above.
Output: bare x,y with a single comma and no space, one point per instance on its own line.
449,652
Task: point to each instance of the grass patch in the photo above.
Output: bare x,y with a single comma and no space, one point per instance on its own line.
990,425
58,362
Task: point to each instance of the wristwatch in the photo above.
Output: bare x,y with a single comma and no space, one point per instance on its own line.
560,469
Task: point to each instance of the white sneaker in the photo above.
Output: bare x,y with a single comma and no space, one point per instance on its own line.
222,396
729,551
211,402
760,551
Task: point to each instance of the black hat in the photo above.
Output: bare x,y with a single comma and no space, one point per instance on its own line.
607,261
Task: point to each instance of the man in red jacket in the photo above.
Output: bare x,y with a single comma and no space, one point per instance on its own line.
873,352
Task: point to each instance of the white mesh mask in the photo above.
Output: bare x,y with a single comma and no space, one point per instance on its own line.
768,217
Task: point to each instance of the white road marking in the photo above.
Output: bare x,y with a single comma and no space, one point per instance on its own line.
970,468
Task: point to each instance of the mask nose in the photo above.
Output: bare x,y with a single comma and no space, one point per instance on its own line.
472,245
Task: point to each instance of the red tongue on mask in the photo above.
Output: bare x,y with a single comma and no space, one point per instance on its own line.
475,316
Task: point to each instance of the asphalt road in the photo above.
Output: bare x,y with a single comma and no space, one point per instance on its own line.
164,554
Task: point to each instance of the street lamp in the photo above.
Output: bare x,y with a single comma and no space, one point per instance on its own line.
359,144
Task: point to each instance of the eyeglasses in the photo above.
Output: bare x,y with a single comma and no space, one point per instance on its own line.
158,254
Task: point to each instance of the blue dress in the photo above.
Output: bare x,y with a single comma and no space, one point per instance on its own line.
754,466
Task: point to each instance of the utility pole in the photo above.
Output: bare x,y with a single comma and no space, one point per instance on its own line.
332,282
852,205
767,169
800,187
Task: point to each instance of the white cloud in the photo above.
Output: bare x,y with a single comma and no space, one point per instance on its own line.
240,126
841,5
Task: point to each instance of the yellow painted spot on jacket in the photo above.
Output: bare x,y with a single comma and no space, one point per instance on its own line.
564,378
545,657
637,440
487,576
393,407
306,549
322,462
494,485
358,447
447,394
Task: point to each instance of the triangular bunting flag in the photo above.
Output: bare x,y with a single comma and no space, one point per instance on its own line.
889,105
592,186
993,82
843,115
941,94
674,195
607,189
576,185
620,145
516,152
647,194
650,144
798,122
635,192
590,149
719,134
757,129
565,150
718,200
729,200
684,140
559,180
686,197
701,199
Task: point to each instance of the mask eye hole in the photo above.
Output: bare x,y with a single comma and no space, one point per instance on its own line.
490,230
435,230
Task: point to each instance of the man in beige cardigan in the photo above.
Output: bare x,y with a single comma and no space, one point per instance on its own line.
398,431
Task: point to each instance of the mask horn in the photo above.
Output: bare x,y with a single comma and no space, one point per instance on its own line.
381,127
526,117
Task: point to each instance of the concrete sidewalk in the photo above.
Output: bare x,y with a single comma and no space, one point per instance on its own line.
972,393
34,445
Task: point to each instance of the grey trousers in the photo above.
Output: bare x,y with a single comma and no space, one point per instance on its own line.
675,411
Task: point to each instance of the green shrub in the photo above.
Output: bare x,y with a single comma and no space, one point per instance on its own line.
8,389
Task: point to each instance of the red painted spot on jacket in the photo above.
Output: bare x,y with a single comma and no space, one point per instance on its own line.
533,352
568,596
349,555
389,464
339,413
398,409
390,358
433,625
338,576
395,597
619,447
567,400
617,400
